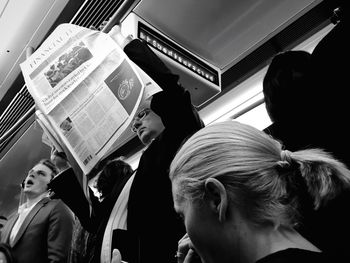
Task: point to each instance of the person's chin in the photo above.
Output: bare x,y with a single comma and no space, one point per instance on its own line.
27,190
145,138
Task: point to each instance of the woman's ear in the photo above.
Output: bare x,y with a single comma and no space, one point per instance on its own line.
217,197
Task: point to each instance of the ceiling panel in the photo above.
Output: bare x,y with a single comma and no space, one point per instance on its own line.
221,31
21,25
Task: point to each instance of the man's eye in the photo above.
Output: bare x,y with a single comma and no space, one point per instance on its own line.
142,114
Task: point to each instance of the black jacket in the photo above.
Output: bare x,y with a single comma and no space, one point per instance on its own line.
151,214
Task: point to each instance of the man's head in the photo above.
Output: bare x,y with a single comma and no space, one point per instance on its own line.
147,125
285,84
38,178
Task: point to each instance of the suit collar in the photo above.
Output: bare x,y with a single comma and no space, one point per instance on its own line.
5,237
29,218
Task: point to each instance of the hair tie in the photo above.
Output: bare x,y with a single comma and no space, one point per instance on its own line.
286,156
286,159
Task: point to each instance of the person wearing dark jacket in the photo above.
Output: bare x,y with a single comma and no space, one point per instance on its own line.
111,180
151,214
143,214
305,98
330,129
285,88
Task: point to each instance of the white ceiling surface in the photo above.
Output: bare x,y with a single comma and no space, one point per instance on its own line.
222,31
23,23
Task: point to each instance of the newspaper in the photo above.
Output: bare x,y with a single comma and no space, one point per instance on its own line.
86,92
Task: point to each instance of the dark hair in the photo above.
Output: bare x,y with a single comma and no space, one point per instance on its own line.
6,249
111,171
49,165
285,83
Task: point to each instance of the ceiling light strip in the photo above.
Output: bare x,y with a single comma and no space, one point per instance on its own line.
177,54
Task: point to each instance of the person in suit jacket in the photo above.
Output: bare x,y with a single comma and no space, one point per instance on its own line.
41,231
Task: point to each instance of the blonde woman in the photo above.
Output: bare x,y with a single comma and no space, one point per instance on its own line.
239,194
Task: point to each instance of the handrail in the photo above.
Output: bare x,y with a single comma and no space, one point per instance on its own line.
120,14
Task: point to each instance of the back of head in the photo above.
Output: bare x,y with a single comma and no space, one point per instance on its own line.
285,83
265,182
111,172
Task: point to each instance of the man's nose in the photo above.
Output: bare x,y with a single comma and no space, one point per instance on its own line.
137,124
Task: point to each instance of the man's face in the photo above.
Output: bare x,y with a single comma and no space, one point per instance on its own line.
147,125
37,179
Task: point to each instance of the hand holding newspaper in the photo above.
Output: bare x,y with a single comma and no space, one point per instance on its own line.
86,91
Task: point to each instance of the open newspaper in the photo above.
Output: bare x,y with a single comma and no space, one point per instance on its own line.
86,92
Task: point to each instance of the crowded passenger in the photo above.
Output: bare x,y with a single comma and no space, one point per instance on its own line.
285,88
82,245
304,96
330,79
162,127
239,194
110,182
41,231
143,214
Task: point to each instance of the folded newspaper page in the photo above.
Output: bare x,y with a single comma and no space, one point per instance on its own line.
86,92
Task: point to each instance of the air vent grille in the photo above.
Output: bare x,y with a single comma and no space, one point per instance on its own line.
20,104
94,13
